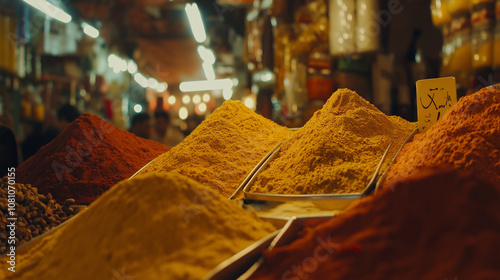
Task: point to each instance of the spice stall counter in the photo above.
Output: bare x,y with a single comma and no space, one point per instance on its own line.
173,219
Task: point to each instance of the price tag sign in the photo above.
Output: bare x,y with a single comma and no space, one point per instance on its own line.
434,98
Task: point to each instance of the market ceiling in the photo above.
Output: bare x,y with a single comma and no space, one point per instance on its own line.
155,33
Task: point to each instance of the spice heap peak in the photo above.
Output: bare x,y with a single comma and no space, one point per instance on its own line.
468,137
223,149
336,151
86,159
154,226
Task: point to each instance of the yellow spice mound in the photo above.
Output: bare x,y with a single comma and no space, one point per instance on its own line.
336,151
155,226
223,149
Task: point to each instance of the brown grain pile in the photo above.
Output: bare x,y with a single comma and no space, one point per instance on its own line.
35,213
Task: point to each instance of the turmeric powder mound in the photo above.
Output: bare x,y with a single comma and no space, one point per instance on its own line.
336,151
468,137
154,226
223,149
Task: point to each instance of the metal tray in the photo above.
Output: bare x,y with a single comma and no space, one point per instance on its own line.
294,208
343,200
244,263
408,139
239,263
285,237
138,171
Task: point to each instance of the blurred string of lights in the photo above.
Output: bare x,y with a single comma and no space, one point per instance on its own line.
115,62
118,64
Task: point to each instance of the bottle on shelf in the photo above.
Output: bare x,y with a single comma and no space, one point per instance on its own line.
458,7
496,44
483,21
319,75
460,61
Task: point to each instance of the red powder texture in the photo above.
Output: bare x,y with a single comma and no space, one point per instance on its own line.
86,159
467,137
434,225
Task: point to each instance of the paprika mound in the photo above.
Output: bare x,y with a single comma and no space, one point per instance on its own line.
467,137
434,224
336,151
87,158
154,226
223,149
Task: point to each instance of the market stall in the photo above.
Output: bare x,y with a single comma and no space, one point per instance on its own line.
288,174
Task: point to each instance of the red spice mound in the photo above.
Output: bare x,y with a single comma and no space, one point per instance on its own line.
437,224
86,159
468,137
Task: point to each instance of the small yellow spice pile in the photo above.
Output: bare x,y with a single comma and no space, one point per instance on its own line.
154,226
336,151
223,149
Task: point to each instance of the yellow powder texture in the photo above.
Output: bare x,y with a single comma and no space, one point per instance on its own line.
336,151
223,149
467,137
154,226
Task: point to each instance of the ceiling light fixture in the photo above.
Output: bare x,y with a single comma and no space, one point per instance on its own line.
197,27
141,80
206,85
207,55
50,10
227,93
90,30
183,113
202,107
131,67
209,71
206,97
152,83
161,87
171,100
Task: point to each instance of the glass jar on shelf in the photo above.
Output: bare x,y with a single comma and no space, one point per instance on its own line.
439,12
482,18
458,7
319,76
479,2
460,62
447,50
482,42
496,44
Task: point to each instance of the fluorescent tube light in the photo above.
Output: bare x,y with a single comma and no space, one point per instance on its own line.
197,27
50,10
90,30
206,85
